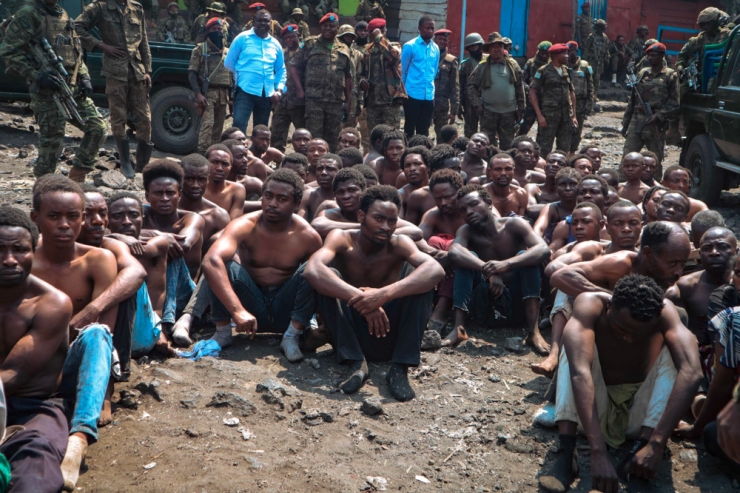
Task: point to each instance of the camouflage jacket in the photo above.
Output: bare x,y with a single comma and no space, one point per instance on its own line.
290,96
475,83
582,76
382,69
554,88
595,49
637,46
28,25
368,10
530,68
466,68
326,66
615,49
218,74
171,30
447,82
122,28
696,46
303,29
198,29
660,90
584,27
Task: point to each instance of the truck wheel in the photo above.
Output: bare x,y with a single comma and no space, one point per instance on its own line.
708,178
174,120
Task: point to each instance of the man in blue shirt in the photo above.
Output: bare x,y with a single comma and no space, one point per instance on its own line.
419,65
256,59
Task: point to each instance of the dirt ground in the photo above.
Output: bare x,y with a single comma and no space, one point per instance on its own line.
469,428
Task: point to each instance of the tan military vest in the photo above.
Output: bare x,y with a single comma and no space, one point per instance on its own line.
60,33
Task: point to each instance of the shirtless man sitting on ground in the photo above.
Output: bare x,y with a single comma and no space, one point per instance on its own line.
349,137
420,201
374,307
388,167
501,257
591,189
546,193
316,149
416,170
240,167
300,139
260,147
633,189
267,291
376,143
523,152
474,159
678,178
226,194
625,350
326,169
507,199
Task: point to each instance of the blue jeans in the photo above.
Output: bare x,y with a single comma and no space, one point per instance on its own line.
85,376
273,307
178,290
471,295
245,104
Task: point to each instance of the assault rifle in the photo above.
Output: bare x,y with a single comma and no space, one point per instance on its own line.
48,61
632,81
691,74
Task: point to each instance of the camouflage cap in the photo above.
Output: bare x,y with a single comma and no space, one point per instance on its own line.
544,46
600,22
709,14
346,29
217,7
172,4
650,42
297,11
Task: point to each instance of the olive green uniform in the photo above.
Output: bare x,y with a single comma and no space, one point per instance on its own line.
695,47
661,92
326,67
31,22
171,29
556,107
353,111
124,77
368,10
446,91
637,47
530,117
382,56
219,89
471,114
583,82
303,30
289,109
595,50
584,27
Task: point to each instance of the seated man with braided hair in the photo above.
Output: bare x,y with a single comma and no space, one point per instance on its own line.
629,369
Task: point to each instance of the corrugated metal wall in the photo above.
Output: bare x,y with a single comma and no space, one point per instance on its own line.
410,11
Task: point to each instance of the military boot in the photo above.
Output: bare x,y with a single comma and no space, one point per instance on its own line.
124,157
143,153
78,174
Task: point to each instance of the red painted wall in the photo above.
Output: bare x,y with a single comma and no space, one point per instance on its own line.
483,18
550,20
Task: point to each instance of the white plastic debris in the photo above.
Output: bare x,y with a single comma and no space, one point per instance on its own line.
231,421
377,482
246,434
422,479
150,465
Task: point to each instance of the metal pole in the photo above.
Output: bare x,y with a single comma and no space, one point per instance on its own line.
462,28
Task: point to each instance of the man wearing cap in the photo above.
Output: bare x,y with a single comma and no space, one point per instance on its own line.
553,99
496,91
381,79
346,35
584,23
419,65
171,29
619,56
711,33
296,17
256,60
446,84
207,62
473,45
275,27
127,68
658,86
530,68
216,10
507,46
368,10
328,71
581,74
595,50
637,44
289,109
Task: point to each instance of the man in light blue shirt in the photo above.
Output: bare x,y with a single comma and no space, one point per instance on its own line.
419,65
256,59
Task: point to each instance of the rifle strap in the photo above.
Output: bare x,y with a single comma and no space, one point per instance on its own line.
205,53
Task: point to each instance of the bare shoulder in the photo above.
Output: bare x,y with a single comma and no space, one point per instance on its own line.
234,187
95,256
419,194
588,249
114,246
340,239
430,217
48,297
589,305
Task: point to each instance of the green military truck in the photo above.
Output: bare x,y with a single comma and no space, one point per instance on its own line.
174,115
711,123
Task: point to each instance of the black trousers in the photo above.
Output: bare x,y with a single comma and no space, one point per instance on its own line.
418,114
712,444
122,335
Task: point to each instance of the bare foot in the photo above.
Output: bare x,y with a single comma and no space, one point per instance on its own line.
455,337
163,346
106,414
546,367
315,338
539,343
181,331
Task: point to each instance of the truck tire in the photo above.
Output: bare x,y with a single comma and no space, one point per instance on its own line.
701,159
174,120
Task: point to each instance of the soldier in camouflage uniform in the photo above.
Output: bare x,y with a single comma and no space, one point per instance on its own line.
530,68
326,6
197,7
712,32
382,78
584,23
347,36
234,12
49,20
473,44
275,27
658,86
207,61
296,18
595,50
582,77
637,44
171,29
368,10
555,106
496,91
198,29
289,109
327,66
127,68
446,84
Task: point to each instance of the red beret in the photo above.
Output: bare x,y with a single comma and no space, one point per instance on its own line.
289,28
443,32
212,21
572,44
657,48
257,6
330,17
558,48
376,23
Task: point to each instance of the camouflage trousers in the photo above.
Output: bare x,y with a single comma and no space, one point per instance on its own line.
212,119
324,121
352,114
51,133
441,114
130,96
560,126
575,138
598,72
364,132
471,121
530,117
282,116
635,141
501,124
388,114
